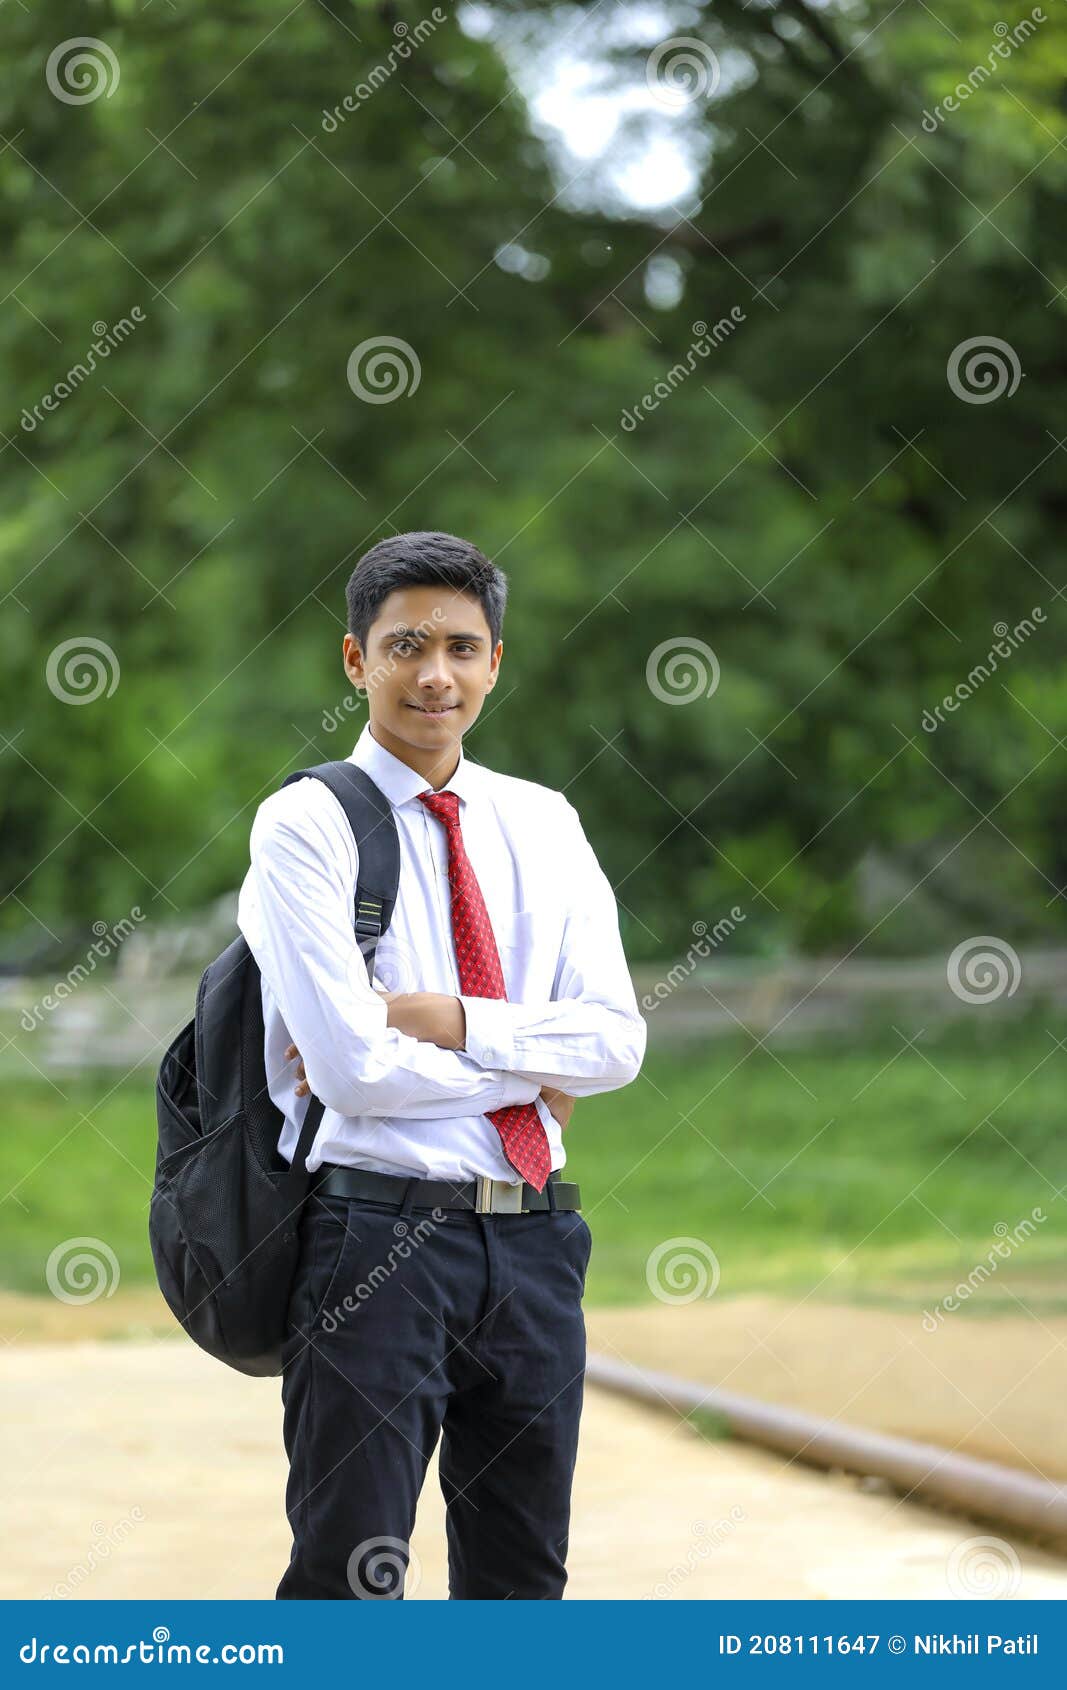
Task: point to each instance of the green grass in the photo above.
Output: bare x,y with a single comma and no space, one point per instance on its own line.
884,1184
64,1176
883,1174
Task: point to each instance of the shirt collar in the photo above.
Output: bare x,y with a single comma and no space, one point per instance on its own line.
398,781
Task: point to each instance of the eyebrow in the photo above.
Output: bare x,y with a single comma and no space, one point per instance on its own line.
416,634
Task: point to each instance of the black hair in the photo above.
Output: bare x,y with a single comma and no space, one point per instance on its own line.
423,559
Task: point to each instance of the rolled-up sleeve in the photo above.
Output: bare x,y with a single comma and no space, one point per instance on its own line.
296,913
589,1037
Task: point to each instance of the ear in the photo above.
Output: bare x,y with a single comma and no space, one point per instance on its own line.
352,659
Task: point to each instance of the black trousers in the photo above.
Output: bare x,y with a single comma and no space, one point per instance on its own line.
406,1325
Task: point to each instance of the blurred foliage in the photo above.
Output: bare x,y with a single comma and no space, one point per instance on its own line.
814,502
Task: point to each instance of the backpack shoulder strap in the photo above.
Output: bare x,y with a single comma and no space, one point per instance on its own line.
370,816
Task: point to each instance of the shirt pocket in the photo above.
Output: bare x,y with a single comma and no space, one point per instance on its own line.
528,943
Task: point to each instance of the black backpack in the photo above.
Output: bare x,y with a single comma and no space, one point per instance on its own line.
225,1210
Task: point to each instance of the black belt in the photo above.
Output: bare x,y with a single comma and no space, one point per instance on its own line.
485,1196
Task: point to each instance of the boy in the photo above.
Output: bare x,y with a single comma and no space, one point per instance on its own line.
442,1260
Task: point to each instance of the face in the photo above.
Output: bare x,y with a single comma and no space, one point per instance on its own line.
428,667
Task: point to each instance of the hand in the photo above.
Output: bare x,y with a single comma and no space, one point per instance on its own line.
430,1016
433,1017
303,1088
560,1104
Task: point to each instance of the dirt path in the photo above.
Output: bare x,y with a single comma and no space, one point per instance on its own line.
992,1387
145,1469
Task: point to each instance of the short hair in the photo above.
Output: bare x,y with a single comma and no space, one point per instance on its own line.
423,559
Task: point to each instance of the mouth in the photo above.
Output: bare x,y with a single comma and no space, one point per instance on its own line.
433,715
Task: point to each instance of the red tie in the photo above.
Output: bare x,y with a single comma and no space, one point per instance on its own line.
521,1130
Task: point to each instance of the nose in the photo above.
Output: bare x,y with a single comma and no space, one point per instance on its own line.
434,674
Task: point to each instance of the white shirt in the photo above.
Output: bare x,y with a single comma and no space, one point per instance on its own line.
401,1105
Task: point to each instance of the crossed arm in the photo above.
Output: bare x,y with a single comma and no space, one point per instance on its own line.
428,1053
436,1018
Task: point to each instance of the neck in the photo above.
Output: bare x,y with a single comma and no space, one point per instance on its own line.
437,767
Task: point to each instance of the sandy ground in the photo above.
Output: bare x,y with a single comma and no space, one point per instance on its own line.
994,1387
145,1469
991,1387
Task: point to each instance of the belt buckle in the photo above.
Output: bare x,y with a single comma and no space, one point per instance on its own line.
497,1196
